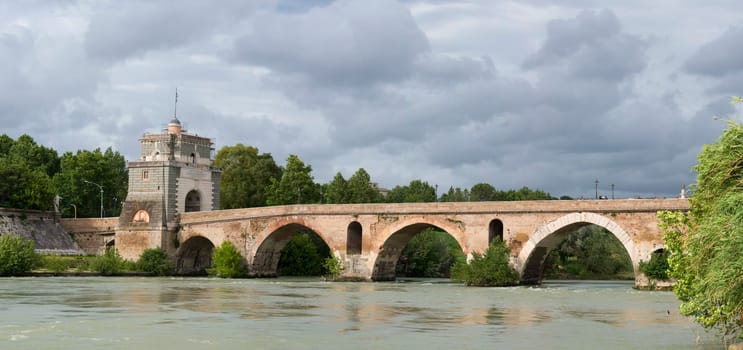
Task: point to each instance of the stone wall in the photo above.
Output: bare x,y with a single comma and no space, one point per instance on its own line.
91,234
42,227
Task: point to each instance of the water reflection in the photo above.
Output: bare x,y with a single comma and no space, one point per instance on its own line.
187,313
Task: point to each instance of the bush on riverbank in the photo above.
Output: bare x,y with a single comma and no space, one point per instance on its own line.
657,267
154,261
17,256
111,263
227,262
490,269
333,266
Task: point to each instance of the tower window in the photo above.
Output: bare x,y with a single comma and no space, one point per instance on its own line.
145,175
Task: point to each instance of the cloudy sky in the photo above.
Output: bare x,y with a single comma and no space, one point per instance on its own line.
546,94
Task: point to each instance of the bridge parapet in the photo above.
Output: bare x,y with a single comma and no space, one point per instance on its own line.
551,206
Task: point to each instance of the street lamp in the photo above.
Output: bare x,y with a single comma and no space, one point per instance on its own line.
597,189
101,187
612,191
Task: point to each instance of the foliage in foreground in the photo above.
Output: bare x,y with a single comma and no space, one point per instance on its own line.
705,246
17,255
487,270
155,261
227,262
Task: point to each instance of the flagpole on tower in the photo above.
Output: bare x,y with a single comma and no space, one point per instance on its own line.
175,107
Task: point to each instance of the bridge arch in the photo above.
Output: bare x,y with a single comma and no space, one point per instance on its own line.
265,261
400,235
194,256
530,260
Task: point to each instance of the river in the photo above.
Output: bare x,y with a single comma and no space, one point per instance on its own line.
203,313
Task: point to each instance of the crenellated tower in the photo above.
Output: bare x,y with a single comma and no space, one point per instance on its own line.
174,174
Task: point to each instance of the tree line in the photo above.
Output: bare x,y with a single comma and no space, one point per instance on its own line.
253,179
33,175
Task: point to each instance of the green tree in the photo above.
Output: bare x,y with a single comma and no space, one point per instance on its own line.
245,176
336,192
109,264
107,169
155,261
6,142
302,257
522,194
590,251
657,266
705,247
295,186
455,195
36,156
431,253
23,187
482,192
227,262
360,189
487,270
17,255
416,192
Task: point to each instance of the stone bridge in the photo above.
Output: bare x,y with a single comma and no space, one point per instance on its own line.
370,237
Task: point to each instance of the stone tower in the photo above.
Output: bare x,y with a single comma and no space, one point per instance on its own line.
174,174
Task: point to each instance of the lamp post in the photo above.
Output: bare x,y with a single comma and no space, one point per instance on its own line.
101,187
612,191
597,189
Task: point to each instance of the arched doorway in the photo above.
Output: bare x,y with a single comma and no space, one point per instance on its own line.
194,256
495,230
353,238
193,201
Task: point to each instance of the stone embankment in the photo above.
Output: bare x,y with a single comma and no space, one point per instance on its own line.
44,228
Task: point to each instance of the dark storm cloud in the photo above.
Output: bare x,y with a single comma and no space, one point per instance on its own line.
452,92
719,57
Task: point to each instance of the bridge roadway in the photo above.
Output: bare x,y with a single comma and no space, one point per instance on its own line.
370,237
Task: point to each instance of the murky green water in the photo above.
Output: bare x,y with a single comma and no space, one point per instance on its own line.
200,313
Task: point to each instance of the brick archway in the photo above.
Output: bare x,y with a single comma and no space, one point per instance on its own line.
536,248
194,256
400,235
265,260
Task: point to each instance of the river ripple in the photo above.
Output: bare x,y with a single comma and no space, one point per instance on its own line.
202,313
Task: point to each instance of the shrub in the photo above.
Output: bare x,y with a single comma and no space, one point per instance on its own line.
657,267
300,257
334,267
154,261
108,264
55,263
17,255
227,262
487,270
